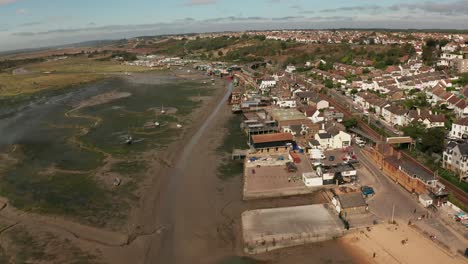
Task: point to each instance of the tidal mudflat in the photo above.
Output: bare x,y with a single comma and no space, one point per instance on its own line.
81,152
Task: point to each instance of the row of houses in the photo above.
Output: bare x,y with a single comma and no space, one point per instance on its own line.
395,114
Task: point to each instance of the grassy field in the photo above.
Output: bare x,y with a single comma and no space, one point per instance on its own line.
59,74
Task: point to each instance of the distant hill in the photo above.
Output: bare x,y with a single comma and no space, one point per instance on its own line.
92,43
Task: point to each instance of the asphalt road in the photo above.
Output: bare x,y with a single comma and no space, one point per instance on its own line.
388,194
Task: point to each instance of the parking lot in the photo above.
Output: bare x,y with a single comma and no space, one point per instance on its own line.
270,178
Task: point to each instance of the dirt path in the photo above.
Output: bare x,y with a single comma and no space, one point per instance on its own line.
186,204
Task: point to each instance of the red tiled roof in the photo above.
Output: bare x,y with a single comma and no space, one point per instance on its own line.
272,137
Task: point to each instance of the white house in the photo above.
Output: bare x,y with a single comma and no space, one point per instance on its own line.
394,115
324,139
341,140
333,139
320,104
290,69
455,158
459,128
267,84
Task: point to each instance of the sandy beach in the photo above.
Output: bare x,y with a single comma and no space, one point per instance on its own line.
386,242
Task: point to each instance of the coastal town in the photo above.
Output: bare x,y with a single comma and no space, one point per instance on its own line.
286,139
335,127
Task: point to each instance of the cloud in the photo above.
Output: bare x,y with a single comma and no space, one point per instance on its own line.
6,2
452,8
351,8
201,2
110,28
297,7
287,18
22,12
35,23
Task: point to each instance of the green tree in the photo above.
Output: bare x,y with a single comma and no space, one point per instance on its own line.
350,123
328,83
433,140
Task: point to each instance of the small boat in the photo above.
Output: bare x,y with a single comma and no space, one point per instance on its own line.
129,140
117,182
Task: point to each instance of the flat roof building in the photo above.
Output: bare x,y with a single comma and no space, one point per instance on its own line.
274,140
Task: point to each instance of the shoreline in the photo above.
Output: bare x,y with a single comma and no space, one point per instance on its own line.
133,229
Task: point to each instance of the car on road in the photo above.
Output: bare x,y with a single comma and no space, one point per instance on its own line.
367,191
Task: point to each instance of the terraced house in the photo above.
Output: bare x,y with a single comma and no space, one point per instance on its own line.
455,158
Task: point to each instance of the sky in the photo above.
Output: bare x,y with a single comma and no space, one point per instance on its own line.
38,23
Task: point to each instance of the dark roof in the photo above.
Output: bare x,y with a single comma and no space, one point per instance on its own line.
314,142
305,94
340,168
462,121
324,135
333,130
396,110
272,137
463,149
417,171
451,144
394,161
351,200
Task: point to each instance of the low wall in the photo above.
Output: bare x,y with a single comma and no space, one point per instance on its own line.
273,243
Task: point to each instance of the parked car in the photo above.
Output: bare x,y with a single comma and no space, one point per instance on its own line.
367,191
331,158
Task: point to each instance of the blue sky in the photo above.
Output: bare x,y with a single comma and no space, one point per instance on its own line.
35,23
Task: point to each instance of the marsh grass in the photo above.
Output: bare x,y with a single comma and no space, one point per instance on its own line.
234,138
71,188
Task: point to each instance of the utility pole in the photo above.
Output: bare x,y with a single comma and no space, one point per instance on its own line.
393,212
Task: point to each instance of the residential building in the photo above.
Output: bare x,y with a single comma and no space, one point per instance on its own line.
459,129
290,69
455,158
394,115
461,65
333,138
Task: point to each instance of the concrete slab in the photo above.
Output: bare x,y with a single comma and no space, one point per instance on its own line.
269,229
